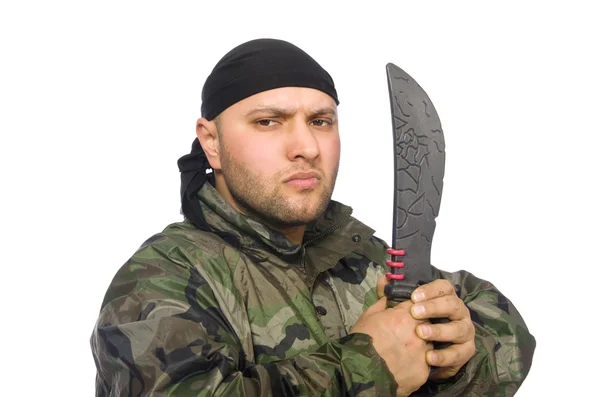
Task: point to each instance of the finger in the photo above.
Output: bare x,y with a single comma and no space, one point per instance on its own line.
456,332
404,306
432,290
381,283
447,306
443,373
452,356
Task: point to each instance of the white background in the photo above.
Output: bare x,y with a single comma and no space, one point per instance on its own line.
98,100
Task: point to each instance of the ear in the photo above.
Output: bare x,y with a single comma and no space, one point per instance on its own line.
209,139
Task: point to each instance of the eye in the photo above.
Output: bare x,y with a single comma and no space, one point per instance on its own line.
321,122
266,123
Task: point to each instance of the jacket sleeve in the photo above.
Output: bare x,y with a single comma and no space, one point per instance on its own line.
505,347
160,332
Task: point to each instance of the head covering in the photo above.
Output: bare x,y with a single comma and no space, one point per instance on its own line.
252,67
260,65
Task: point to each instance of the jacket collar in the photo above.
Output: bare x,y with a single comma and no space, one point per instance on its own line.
333,235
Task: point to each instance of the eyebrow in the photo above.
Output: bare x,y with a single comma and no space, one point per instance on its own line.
286,113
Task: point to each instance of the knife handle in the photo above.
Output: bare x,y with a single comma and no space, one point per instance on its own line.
398,289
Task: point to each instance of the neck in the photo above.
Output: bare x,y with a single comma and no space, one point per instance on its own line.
295,233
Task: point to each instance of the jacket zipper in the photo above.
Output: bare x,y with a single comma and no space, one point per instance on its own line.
330,230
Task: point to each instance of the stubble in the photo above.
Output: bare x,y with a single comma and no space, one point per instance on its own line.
265,199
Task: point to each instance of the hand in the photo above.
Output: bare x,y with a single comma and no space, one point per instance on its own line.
395,339
438,299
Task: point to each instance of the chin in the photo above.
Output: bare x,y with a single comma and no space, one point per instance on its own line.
309,214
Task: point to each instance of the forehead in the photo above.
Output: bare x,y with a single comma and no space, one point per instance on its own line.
292,98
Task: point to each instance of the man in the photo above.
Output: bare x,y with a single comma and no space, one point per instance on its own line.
270,288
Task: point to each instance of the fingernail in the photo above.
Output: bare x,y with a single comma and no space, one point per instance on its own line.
425,330
433,357
418,310
419,296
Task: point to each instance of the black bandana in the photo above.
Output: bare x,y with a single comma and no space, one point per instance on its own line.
257,66
252,67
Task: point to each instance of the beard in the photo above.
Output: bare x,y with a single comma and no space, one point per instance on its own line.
265,198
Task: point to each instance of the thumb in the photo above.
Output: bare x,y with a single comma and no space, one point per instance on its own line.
381,283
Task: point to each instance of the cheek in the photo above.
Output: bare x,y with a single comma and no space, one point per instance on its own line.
330,151
258,155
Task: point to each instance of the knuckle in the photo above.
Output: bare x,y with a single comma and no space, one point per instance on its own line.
445,287
456,356
472,348
457,305
452,371
471,329
461,333
442,358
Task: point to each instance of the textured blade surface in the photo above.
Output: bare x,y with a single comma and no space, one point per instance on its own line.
419,160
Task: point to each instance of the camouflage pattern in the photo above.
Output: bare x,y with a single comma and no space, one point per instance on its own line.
190,314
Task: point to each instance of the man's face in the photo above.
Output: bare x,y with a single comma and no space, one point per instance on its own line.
280,152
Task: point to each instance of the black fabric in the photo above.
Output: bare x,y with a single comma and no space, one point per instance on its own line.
193,167
252,67
260,65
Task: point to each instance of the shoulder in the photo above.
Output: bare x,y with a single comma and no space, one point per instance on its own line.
183,244
180,251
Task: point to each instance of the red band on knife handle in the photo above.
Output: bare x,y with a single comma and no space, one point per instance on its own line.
396,252
395,264
391,276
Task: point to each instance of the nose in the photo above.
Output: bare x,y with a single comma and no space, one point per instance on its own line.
302,142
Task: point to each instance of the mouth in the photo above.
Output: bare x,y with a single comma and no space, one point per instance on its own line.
303,180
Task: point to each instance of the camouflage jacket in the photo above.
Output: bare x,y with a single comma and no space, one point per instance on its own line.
190,314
